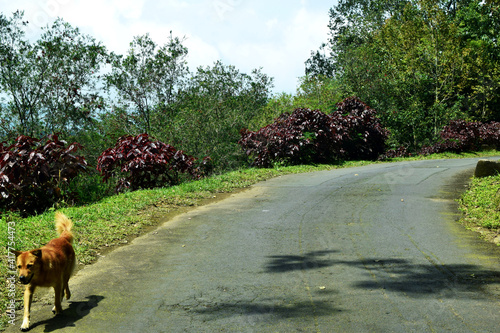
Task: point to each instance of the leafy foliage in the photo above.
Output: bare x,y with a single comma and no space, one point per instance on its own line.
310,136
295,139
461,136
316,92
363,137
479,32
401,151
33,176
217,102
148,77
49,85
420,63
141,163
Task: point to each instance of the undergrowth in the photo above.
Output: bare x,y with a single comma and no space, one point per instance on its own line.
481,204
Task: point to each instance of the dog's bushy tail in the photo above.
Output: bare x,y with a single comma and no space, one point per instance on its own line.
63,226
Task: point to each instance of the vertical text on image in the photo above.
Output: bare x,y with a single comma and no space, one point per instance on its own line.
11,273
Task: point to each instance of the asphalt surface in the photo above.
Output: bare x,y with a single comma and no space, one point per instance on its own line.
367,249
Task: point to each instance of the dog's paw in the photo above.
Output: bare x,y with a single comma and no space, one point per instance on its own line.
26,325
56,311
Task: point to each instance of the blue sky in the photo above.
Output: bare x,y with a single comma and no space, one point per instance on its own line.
277,35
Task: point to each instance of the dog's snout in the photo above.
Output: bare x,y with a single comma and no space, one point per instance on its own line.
24,279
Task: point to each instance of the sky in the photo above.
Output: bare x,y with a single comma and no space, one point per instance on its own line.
277,35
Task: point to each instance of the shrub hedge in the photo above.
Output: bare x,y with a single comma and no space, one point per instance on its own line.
310,136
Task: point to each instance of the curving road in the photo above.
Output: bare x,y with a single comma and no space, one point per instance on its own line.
367,249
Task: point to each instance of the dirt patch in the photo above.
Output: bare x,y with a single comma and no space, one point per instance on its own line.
487,234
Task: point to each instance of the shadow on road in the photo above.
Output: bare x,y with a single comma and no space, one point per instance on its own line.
75,312
269,308
400,275
426,279
308,261
394,274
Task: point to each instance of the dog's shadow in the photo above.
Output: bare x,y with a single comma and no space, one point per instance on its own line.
75,312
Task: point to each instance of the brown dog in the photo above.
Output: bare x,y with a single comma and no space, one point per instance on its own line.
49,266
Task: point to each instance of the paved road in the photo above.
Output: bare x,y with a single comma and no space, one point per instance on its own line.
368,249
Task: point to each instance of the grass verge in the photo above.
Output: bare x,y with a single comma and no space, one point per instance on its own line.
115,220
480,206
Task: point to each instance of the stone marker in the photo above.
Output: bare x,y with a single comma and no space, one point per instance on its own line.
485,168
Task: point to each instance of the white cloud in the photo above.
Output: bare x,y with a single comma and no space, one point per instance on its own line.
130,9
200,53
307,31
283,55
271,24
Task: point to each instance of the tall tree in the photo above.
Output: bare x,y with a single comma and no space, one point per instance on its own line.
420,63
479,33
15,72
421,50
50,85
147,79
75,60
217,103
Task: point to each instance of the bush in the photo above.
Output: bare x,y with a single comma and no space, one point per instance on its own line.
363,137
461,136
304,136
33,176
310,136
89,188
401,151
140,163
490,135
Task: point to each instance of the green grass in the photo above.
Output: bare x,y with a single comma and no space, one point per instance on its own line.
115,220
480,204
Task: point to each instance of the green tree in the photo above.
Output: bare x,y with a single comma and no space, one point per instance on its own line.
421,60
276,106
216,104
355,59
318,92
75,61
479,32
148,78
320,63
315,92
49,86
419,63
352,24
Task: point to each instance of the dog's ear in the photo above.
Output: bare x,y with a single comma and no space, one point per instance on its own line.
17,253
37,253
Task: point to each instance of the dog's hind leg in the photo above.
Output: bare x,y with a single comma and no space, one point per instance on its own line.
66,277
66,289
58,291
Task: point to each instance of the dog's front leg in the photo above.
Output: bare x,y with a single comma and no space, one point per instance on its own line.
28,297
